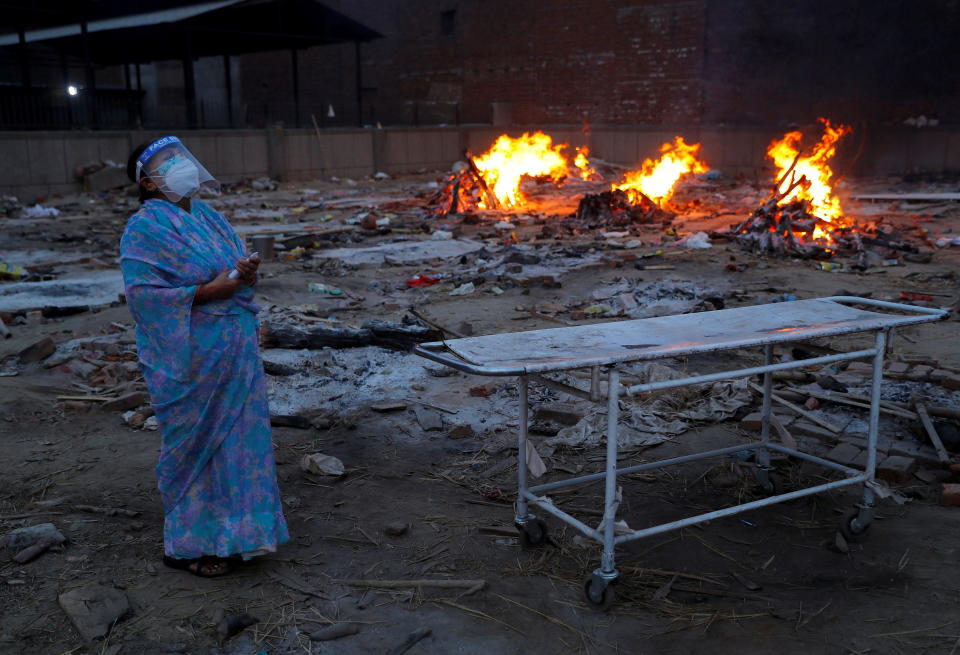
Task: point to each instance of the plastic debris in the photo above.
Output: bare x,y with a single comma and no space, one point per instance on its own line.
39,211
320,464
320,287
463,289
598,310
12,272
696,240
421,280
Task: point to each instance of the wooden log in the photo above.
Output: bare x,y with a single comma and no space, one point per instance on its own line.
293,228
482,183
776,186
433,324
387,334
455,197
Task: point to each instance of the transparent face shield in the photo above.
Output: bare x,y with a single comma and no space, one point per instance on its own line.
174,169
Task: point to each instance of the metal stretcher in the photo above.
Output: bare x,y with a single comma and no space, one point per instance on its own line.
532,355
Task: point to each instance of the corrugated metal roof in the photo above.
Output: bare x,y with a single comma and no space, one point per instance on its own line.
121,22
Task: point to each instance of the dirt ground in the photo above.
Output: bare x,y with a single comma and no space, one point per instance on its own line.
762,582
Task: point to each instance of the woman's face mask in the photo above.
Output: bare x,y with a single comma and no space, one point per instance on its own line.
180,176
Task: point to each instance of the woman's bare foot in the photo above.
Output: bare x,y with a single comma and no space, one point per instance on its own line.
208,566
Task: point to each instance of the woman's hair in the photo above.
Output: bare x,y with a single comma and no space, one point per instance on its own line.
132,171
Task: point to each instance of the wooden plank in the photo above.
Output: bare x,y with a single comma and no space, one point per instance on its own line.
799,410
931,431
312,230
785,437
843,399
924,197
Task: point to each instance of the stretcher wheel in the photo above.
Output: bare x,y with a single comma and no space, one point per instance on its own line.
533,533
853,528
598,593
775,486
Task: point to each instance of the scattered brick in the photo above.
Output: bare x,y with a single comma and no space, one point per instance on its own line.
844,453
561,413
897,370
125,402
38,351
860,368
808,429
914,360
919,373
464,431
937,375
483,390
952,382
860,461
950,497
922,453
896,469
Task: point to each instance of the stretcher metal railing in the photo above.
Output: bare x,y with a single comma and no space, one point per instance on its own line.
531,355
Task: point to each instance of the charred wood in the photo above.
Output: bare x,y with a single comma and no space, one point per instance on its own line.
386,334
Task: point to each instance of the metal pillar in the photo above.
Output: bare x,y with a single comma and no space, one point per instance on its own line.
128,85
65,72
189,83
610,504
91,91
359,81
228,83
880,343
763,453
294,71
24,56
139,96
523,513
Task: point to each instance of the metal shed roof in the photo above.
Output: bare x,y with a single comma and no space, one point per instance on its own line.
211,28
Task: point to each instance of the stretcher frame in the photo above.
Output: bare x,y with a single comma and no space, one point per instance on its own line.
597,587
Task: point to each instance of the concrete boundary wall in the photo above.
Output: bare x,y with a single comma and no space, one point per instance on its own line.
43,163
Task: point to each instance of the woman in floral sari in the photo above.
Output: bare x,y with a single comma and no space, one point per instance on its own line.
189,287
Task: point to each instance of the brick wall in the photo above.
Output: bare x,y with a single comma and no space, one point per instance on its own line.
564,61
636,62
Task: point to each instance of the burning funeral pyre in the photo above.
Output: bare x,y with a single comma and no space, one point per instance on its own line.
493,180
531,175
802,216
642,195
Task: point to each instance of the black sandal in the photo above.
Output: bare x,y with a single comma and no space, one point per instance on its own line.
201,563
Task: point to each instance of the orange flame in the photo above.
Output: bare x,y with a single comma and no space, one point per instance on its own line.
582,163
816,189
508,160
656,179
